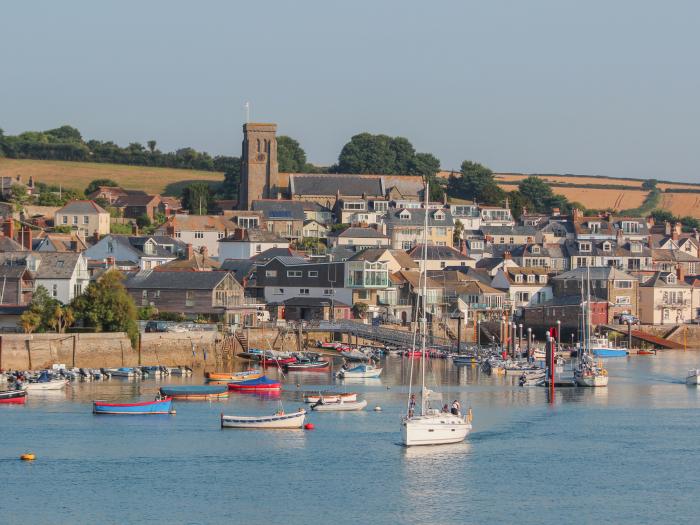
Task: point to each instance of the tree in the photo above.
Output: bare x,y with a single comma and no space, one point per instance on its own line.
663,216
457,232
196,198
29,321
232,178
151,146
290,155
63,317
95,184
43,306
424,164
649,184
538,192
144,221
359,310
18,196
106,306
367,153
476,182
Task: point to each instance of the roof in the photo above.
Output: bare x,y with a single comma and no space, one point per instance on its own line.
274,209
438,253
82,207
198,223
171,202
599,273
255,235
376,254
413,278
363,233
313,206
59,242
494,231
181,281
136,198
658,280
239,268
332,184
417,217
475,287
137,243
52,265
197,263
10,245
672,256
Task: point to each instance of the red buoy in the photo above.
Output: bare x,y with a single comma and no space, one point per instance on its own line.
309,426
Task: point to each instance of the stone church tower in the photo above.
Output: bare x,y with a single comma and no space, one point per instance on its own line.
259,170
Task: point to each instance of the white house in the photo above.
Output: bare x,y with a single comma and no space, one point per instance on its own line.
201,231
63,274
524,286
244,244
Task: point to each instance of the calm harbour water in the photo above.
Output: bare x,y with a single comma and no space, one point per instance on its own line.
625,454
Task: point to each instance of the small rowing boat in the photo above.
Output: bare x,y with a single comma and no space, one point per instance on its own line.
361,371
340,406
277,361
229,377
278,420
310,366
159,406
261,384
195,392
330,397
13,396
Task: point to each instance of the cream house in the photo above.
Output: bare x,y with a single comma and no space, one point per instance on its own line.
85,217
663,299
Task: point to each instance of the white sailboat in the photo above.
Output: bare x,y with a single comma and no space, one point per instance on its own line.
587,373
429,426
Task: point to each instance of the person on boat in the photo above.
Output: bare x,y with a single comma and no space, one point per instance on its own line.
455,408
412,405
445,408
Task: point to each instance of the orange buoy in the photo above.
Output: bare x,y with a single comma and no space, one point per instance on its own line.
28,457
309,426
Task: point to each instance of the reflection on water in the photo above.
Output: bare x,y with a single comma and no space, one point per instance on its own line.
351,468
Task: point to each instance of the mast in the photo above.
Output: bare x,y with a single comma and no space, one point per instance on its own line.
424,293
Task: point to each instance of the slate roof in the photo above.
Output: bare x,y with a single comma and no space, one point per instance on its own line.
239,268
673,256
255,235
137,243
82,207
181,281
10,245
607,273
181,222
355,232
331,184
506,231
616,249
658,280
198,263
438,253
418,218
275,210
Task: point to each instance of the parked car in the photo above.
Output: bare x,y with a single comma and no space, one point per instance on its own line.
628,319
156,326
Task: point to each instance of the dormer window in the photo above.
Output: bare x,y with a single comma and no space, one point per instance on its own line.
606,246
584,246
636,247
630,227
404,215
530,278
671,279
543,279
535,249
594,227
519,278
439,216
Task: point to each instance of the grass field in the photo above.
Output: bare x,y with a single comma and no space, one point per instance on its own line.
513,177
77,175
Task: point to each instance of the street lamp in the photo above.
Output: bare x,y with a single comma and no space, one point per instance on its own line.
558,335
513,335
520,339
529,340
478,334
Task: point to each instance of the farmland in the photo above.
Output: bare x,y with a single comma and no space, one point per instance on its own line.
77,175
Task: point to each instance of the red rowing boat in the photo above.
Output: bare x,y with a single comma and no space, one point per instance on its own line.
17,397
260,384
278,361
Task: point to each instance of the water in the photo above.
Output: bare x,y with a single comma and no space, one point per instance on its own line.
625,454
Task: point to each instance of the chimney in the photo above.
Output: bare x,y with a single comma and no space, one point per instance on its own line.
170,227
677,229
110,262
204,251
524,211
8,228
556,212
463,247
667,228
619,236
650,222
506,256
26,234
189,252
681,272
444,199
696,236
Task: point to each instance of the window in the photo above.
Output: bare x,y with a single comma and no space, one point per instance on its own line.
381,206
623,284
353,205
439,216
144,297
584,246
75,219
519,278
691,268
441,231
606,246
86,219
442,264
530,278
303,291
671,279
199,235
312,273
178,234
294,273
404,215
363,294
477,245
535,249
258,248
189,298
220,235
406,245
77,290
65,219
270,273
622,299
512,240
247,222
502,240
581,262
328,291
278,291
630,227
156,294
441,243
594,227
543,279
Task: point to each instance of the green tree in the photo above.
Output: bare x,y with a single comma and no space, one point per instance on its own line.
95,184
151,146
424,164
476,182
106,306
144,221
290,155
196,198
18,196
367,153
62,318
661,216
649,184
359,310
29,321
538,192
457,233
43,306
232,178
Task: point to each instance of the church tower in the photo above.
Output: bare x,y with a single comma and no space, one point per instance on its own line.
258,164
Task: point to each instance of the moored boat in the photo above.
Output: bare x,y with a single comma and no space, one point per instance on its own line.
601,347
279,420
311,366
45,382
232,377
159,406
330,397
195,392
693,377
261,384
362,371
339,406
13,396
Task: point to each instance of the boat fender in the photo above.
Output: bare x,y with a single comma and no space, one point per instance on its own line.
309,426
29,456
377,408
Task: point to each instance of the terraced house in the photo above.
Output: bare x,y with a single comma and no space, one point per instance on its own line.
405,227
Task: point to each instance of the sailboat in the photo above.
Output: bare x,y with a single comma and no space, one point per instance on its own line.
587,372
429,426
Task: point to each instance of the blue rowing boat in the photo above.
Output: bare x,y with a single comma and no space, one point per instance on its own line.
159,406
195,392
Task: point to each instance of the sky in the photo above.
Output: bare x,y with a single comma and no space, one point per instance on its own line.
594,87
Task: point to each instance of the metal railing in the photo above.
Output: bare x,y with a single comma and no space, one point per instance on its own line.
378,333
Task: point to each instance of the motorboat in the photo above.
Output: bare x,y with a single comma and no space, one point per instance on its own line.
601,347
45,382
330,397
195,392
693,377
260,384
129,373
365,370
161,405
279,420
13,396
590,374
339,406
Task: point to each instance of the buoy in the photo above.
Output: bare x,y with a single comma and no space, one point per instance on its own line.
309,426
28,457
377,408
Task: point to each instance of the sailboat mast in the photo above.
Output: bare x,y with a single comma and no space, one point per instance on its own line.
424,293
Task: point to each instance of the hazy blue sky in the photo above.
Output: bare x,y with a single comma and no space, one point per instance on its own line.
606,87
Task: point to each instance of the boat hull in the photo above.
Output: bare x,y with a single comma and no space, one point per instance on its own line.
320,366
195,393
330,397
277,421
215,377
592,380
55,384
609,352
693,378
341,406
14,397
163,406
441,429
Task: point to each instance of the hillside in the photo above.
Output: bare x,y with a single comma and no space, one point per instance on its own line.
77,175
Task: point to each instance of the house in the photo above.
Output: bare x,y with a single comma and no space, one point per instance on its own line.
213,295
496,216
405,227
18,281
440,257
624,255
191,262
313,211
472,298
85,217
675,261
664,299
409,290
511,235
315,230
524,286
284,278
201,231
467,214
137,204
58,242
171,205
246,219
492,265
395,259
142,252
565,312
365,278
557,231
243,244
358,238
285,218
608,283
673,238
108,193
